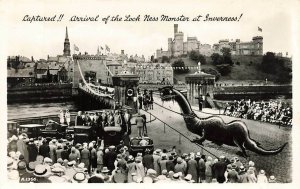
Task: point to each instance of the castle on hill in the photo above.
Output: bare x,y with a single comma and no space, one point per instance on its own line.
178,47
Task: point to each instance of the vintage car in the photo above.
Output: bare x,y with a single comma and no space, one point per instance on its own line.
12,128
54,129
136,146
112,136
32,130
83,134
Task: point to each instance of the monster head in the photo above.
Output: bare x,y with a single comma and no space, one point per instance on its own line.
167,93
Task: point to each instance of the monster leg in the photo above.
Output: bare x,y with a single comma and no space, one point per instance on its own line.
200,140
241,146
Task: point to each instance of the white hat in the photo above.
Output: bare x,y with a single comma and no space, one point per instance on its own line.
188,177
41,171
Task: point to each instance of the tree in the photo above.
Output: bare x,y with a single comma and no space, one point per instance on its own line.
274,65
180,67
216,58
224,69
196,56
227,56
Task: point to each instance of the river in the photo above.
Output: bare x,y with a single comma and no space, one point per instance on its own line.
23,110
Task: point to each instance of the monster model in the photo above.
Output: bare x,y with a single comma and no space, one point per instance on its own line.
213,128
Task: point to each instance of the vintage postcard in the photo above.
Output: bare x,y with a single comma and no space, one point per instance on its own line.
152,92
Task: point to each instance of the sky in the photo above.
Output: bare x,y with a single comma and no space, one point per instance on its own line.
39,39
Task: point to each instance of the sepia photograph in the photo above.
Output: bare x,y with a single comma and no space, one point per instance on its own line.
149,92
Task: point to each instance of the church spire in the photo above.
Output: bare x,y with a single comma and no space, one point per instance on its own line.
67,51
67,37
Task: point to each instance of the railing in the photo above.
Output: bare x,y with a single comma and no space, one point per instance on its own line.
180,135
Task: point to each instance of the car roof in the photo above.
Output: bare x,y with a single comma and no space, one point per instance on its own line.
32,125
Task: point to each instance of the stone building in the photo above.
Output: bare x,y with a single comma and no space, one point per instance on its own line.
254,47
178,47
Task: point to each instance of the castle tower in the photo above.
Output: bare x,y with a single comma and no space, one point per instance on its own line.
258,45
175,29
67,51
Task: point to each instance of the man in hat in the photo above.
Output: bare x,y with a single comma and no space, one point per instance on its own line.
156,159
148,160
79,177
243,177
117,119
201,168
28,176
73,155
192,168
100,155
219,169
42,174
170,164
44,149
110,157
180,166
68,117
272,179
232,176
105,174
163,162
32,150
70,170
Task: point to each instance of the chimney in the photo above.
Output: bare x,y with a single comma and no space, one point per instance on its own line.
122,51
32,60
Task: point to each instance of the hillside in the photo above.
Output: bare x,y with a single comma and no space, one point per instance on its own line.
245,71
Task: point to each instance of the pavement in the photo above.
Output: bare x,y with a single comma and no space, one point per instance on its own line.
270,136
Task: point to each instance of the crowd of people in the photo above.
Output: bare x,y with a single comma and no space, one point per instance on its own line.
272,111
45,160
146,100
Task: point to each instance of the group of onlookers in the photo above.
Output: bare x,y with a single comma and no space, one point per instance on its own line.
50,160
146,100
272,111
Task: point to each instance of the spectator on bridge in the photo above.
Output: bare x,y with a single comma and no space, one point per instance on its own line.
79,120
117,119
127,119
140,100
61,117
68,117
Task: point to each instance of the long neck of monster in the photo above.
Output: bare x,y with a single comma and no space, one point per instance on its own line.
190,117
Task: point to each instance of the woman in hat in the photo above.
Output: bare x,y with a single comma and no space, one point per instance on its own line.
68,117
192,168
131,168
201,168
251,175
117,119
85,156
261,177
208,170
61,116
272,179
12,145
140,170
42,174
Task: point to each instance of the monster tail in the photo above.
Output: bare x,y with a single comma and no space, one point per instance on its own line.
252,146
